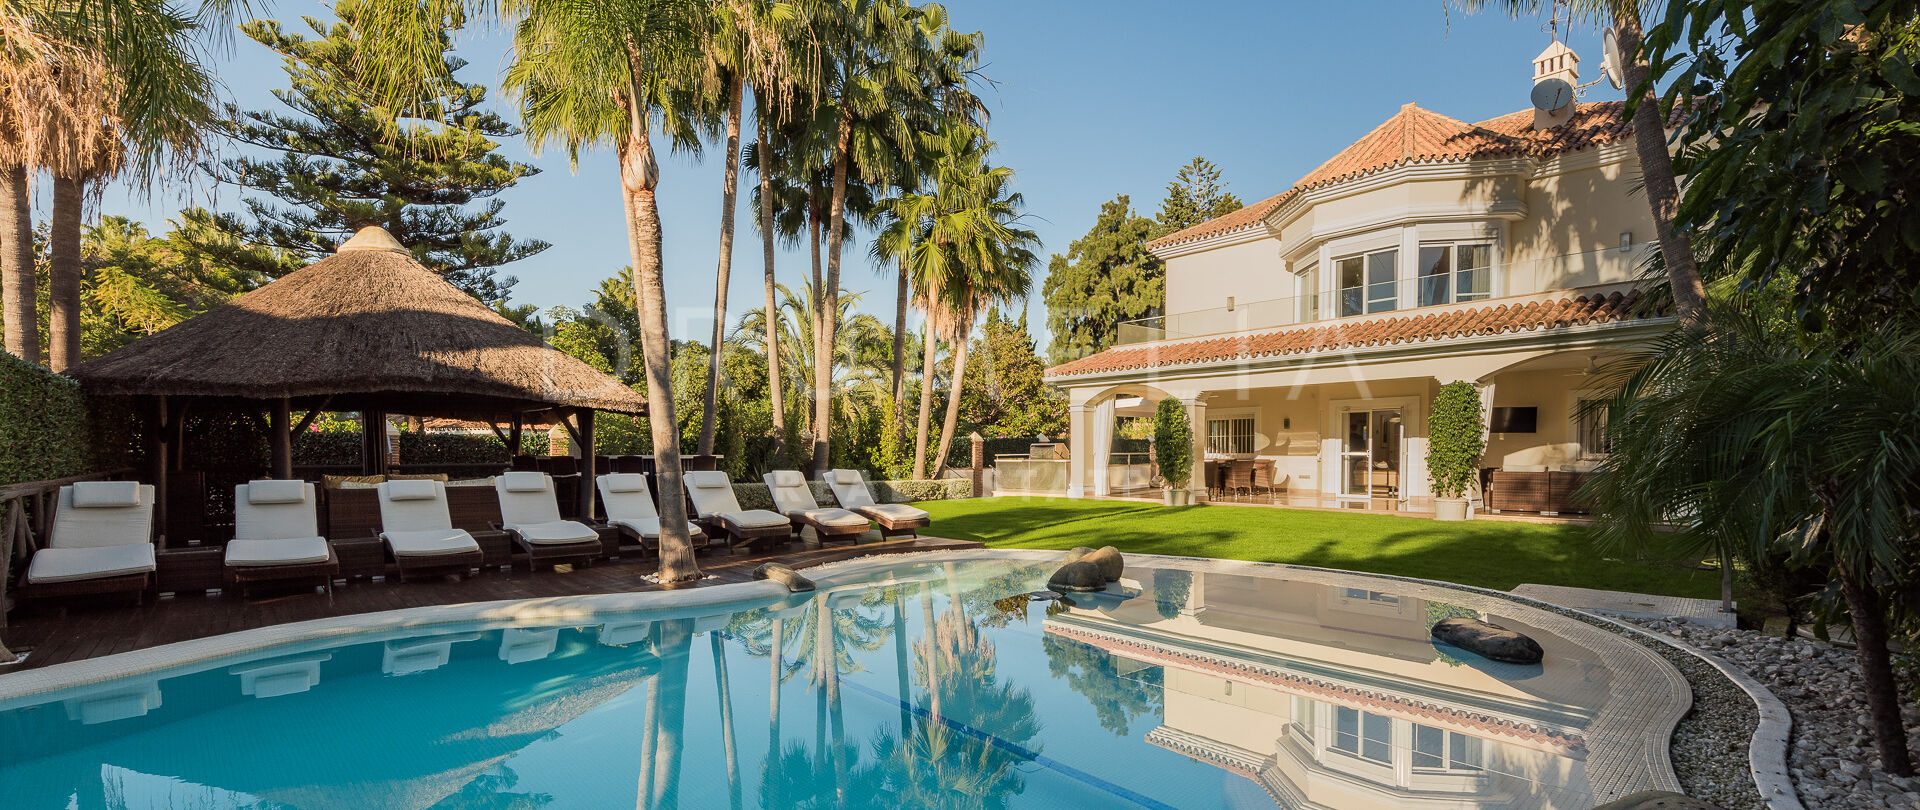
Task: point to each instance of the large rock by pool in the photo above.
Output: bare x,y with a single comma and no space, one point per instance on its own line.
1488,640
1107,559
1077,577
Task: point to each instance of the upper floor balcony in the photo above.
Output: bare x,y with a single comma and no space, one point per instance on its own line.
1372,284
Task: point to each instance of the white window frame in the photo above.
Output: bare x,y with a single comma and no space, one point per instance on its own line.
1453,246
1393,300
1306,291
1581,427
1230,416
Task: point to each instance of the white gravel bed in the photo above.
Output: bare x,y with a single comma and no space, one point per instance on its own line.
1832,758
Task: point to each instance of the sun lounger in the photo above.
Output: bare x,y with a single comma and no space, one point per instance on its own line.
276,536
714,503
419,531
101,542
630,509
894,518
793,498
530,514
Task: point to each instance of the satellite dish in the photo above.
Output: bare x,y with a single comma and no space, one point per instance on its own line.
1610,59
1552,95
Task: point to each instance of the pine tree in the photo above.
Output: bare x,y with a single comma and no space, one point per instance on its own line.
1012,397
1195,195
1106,277
345,162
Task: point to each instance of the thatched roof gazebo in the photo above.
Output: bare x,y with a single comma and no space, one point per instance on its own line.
368,329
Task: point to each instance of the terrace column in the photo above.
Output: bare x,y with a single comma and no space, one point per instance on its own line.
280,430
1078,448
1197,421
588,486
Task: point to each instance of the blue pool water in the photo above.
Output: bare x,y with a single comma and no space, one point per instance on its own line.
943,687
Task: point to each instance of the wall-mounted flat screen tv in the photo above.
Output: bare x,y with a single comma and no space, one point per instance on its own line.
1515,420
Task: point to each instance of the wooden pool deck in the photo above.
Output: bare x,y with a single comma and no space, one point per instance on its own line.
53,636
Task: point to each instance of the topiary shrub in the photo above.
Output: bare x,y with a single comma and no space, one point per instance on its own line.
1173,442
1455,440
43,424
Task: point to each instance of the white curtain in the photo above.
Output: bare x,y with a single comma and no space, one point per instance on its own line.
1100,436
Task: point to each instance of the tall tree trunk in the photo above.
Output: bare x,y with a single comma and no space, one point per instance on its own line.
729,193
775,384
960,330
1868,613
725,693
638,176
929,348
63,285
813,296
1656,170
900,349
16,265
830,297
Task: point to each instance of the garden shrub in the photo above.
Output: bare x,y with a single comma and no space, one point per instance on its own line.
43,424
1455,441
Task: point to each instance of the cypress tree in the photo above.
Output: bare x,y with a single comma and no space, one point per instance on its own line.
428,171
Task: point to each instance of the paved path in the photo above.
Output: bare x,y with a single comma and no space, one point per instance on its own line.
1630,605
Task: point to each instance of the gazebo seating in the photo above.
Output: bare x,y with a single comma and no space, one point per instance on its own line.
101,542
530,514
276,536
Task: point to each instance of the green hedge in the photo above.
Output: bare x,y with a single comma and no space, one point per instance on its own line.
43,424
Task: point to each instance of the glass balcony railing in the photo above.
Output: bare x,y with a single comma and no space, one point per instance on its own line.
1558,273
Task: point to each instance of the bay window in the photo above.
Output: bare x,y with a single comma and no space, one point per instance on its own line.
1451,273
1369,283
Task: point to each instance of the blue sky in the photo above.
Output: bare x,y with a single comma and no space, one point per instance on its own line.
1091,100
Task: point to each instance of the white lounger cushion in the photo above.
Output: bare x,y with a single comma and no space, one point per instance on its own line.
403,510
429,542
524,481
711,493
286,551
625,497
849,488
649,527
274,510
790,493
755,519
554,532
526,499
623,482
270,490
831,517
413,489
77,525
896,511
74,564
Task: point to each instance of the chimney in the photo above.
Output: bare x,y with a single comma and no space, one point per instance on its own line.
1556,72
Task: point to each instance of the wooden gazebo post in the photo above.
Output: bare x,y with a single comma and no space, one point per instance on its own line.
280,435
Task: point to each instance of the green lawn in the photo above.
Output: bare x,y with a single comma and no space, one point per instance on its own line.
1486,553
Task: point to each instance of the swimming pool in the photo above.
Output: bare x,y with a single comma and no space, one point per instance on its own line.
924,681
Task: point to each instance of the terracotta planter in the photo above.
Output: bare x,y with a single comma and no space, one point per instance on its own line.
1450,509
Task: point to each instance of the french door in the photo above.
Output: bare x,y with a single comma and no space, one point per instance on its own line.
1370,458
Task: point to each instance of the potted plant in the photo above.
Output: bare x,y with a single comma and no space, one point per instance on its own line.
1173,443
1455,441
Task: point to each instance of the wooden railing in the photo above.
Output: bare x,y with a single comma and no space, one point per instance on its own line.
28,507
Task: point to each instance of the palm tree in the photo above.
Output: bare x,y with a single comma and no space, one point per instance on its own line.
1766,440
965,254
781,77
1649,137
855,345
597,73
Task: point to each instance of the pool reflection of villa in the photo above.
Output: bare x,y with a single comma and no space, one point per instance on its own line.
1333,697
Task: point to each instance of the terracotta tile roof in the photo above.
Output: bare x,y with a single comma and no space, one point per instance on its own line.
1416,135
1414,327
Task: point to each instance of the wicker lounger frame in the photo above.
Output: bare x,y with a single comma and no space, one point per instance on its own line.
699,540
892,526
456,563
538,554
735,536
137,584
830,533
238,577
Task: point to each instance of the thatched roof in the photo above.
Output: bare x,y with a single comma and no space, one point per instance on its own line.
366,327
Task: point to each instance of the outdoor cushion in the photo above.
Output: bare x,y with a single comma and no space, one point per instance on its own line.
708,480
350,481
276,491
786,478
276,518
554,533
755,519
291,551
844,476
849,489
790,492
74,564
624,482
524,481
429,542
831,517
417,489
711,493
106,494
76,526
441,477
896,511
650,527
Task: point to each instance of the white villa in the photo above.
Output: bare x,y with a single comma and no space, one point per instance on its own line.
1310,330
